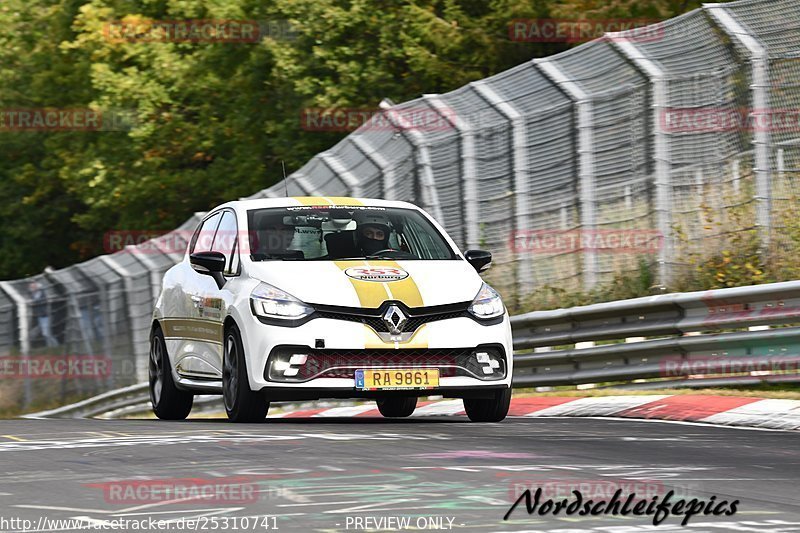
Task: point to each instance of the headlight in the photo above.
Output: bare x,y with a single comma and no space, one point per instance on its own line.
271,302
487,304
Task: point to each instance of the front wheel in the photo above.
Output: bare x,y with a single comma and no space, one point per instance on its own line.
397,407
241,403
492,409
169,403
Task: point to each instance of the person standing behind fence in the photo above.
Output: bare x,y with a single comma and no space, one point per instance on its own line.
40,313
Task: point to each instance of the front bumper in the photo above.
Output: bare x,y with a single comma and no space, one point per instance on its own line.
445,344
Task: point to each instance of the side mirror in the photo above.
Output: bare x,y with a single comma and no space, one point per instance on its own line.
211,264
479,259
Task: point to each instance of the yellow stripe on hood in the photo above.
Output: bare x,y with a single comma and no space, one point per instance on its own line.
372,294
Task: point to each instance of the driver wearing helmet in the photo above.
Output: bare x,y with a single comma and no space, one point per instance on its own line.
372,235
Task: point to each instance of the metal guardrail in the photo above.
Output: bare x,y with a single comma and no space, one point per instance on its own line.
708,333
693,334
98,405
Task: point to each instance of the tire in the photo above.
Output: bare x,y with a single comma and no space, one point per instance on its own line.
241,403
169,403
397,407
488,410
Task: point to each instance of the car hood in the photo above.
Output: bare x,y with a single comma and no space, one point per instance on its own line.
370,283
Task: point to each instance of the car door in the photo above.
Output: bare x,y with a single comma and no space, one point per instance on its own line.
209,301
195,337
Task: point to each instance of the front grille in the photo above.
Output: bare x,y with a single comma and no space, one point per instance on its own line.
417,316
343,363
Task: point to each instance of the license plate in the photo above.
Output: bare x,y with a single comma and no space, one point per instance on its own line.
398,379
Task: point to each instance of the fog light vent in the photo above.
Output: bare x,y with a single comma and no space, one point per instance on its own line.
285,365
487,362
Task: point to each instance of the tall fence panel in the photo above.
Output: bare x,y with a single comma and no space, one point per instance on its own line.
771,39
545,182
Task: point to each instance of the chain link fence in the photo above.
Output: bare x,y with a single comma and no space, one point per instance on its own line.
570,169
82,330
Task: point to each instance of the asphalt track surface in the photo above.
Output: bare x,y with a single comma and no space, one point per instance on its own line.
324,474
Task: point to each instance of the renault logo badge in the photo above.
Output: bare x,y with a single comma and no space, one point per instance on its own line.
395,319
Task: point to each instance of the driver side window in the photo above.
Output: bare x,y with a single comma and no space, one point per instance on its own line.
203,238
226,242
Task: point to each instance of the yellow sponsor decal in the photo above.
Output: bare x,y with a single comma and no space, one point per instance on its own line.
343,200
372,341
192,329
310,200
419,339
370,294
326,200
373,293
404,290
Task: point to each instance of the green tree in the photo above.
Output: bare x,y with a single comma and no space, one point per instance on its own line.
214,120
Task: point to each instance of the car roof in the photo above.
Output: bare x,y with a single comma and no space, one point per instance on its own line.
294,201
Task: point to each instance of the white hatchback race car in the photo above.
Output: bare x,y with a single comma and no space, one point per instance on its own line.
326,297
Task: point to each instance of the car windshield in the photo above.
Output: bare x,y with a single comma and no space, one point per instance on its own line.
308,233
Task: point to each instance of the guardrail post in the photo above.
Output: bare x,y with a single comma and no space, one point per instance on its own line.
303,183
519,165
662,180
24,326
469,186
155,278
388,177
759,60
140,358
430,197
585,111
352,181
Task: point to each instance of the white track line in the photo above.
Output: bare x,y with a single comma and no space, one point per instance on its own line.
771,413
598,406
350,410
448,407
